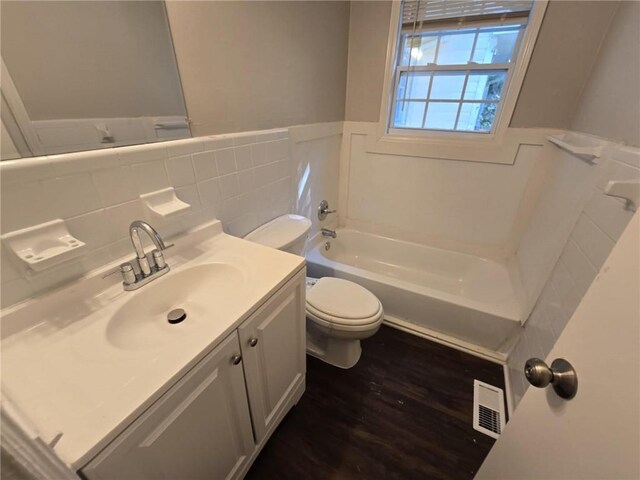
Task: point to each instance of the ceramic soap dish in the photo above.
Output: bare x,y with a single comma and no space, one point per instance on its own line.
164,203
45,245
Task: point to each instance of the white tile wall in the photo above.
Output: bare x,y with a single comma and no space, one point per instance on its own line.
316,164
242,179
600,223
567,187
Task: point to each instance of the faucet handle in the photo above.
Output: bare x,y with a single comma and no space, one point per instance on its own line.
323,210
158,259
128,274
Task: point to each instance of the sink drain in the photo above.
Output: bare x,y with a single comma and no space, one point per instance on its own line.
176,316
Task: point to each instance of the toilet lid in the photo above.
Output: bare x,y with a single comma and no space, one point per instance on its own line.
281,232
342,299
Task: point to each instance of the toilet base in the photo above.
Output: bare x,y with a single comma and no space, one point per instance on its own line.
339,352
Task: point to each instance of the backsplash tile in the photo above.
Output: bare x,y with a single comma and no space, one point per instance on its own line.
209,192
223,141
150,176
229,186
26,170
185,147
180,170
71,196
97,194
204,165
93,228
24,205
115,185
82,161
226,161
142,153
243,157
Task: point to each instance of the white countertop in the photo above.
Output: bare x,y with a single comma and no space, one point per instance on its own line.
63,372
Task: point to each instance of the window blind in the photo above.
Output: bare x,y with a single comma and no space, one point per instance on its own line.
438,10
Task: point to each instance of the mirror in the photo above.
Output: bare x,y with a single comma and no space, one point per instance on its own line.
84,75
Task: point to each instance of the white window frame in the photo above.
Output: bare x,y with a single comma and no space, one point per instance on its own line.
507,67
515,78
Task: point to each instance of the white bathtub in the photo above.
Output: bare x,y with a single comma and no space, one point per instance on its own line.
464,297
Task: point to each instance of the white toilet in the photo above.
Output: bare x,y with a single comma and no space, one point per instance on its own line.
340,313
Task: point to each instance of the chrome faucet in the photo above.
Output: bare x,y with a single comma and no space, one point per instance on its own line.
323,210
143,262
148,271
328,233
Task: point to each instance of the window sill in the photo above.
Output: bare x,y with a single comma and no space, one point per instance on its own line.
488,149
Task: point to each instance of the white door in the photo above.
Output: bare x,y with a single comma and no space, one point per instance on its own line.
200,429
596,435
273,349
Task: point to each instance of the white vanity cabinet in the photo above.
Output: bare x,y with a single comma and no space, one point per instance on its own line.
200,429
273,350
213,422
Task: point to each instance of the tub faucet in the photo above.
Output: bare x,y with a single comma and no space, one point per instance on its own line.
328,233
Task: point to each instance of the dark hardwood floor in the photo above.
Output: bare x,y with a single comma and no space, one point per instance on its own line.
404,411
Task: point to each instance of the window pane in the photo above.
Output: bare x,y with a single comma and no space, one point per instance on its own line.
468,116
495,45
455,48
477,117
447,86
419,49
485,85
413,85
409,114
441,115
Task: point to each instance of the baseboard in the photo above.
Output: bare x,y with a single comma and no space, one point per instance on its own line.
507,391
445,339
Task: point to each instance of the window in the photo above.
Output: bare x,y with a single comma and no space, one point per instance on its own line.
453,64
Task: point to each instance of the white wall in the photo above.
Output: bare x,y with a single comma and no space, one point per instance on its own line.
562,59
574,229
469,206
569,38
568,183
610,103
368,36
316,160
242,179
261,64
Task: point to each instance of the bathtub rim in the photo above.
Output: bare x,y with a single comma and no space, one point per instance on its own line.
516,315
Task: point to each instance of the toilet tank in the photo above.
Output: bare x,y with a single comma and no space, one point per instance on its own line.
287,233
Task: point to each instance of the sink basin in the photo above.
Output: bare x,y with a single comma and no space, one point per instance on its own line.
201,291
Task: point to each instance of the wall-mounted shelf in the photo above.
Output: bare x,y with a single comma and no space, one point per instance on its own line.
164,204
577,146
43,246
629,191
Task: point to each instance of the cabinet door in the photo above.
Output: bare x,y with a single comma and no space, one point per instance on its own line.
273,348
200,429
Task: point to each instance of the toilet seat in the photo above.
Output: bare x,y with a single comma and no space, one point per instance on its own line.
341,303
